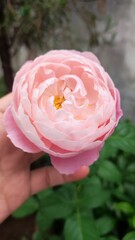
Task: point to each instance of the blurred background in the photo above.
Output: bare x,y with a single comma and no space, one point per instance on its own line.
106,27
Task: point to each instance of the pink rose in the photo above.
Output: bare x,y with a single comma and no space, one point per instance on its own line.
65,104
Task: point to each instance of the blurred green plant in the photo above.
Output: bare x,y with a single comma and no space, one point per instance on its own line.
27,23
100,207
43,25
32,21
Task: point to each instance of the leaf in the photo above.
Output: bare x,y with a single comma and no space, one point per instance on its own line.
125,207
131,167
37,236
43,221
130,190
55,208
63,2
125,128
24,11
43,194
92,195
110,172
122,162
123,138
120,193
130,177
108,151
91,181
55,238
129,236
109,238
28,208
125,144
58,204
132,221
105,224
80,227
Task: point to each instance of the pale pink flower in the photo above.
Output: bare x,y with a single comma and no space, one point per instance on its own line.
65,104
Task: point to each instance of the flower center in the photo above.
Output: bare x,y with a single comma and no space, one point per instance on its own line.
58,102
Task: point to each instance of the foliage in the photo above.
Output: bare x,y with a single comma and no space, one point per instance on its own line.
100,207
37,23
32,21
28,28
28,24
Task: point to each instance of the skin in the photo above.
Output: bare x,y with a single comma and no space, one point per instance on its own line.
17,182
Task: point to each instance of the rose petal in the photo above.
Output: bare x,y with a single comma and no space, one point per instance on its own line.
16,136
72,164
88,55
25,68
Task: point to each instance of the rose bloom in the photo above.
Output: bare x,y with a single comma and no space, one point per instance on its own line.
64,104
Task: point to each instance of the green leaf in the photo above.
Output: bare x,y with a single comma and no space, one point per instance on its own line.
122,162
110,172
80,227
55,238
59,204
43,221
109,238
129,236
131,167
91,181
108,151
125,144
105,224
125,128
24,11
125,207
28,208
92,195
120,193
123,138
63,2
42,195
130,191
37,236
132,221
55,208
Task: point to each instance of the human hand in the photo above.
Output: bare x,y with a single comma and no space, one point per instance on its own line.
17,181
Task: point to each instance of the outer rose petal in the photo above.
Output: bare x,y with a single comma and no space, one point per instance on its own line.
119,112
25,68
88,55
72,164
16,136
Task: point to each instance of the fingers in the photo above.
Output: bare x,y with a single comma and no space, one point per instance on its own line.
47,177
4,102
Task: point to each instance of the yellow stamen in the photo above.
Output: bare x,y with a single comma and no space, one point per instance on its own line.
58,102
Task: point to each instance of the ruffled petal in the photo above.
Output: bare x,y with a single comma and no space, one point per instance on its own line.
16,136
25,68
72,164
88,55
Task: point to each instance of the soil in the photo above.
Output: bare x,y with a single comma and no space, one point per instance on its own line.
17,229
